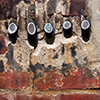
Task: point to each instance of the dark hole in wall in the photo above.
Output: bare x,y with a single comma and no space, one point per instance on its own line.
1,46
1,66
27,1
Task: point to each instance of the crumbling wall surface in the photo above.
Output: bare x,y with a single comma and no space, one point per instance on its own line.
68,69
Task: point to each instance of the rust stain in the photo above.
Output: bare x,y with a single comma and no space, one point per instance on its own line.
50,56
35,60
68,8
86,48
90,62
67,52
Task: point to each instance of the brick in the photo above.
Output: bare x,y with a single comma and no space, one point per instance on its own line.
34,97
6,7
25,97
3,47
13,80
79,97
76,7
2,97
80,79
7,97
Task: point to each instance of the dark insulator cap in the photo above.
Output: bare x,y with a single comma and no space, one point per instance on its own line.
12,28
67,25
48,28
85,24
31,28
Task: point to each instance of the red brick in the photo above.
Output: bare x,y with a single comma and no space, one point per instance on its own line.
79,97
7,97
25,97
13,80
76,7
6,7
2,97
3,47
80,79
34,97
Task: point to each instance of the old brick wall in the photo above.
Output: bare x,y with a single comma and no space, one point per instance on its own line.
68,69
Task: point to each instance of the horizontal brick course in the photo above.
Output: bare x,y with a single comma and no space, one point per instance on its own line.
50,97
79,97
34,97
13,80
81,79
25,97
73,7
